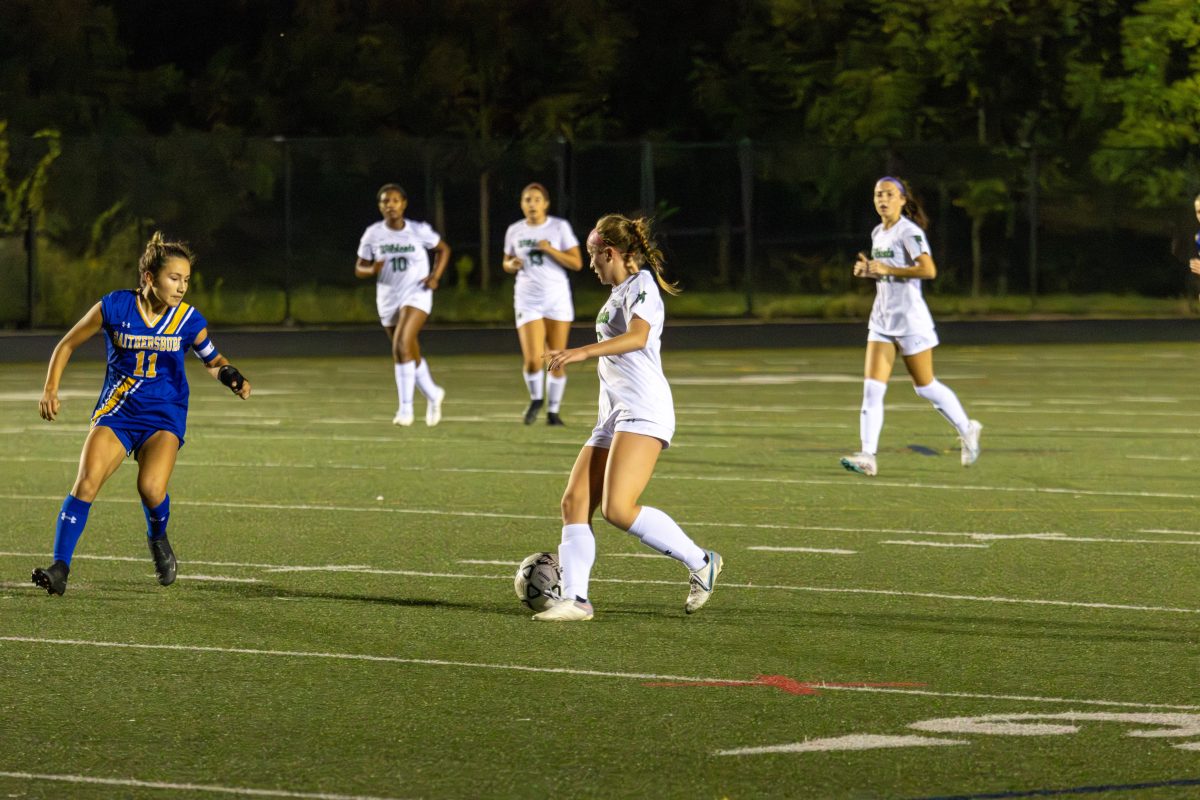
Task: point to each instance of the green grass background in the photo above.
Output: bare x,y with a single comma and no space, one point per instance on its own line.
1096,443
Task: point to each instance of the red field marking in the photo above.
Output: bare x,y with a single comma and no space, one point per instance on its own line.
786,684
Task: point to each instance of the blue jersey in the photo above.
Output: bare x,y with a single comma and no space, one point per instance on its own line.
145,383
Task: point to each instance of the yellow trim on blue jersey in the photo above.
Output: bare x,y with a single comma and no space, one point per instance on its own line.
180,313
114,399
150,323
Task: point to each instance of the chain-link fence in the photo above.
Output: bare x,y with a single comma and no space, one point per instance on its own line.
276,221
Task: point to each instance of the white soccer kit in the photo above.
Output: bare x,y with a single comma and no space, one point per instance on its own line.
405,257
634,393
899,308
543,290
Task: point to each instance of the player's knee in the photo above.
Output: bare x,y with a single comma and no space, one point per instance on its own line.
618,514
574,506
85,489
152,492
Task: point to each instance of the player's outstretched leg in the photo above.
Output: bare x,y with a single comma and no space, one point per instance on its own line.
566,611
164,560
53,578
970,442
702,582
860,462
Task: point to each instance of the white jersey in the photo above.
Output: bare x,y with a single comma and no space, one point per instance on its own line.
541,279
632,384
404,253
899,308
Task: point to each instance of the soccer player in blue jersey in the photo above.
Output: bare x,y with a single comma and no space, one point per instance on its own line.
142,410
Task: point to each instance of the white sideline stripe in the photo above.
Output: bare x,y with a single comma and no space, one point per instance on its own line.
833,551
753,586
934,544
1169,530
221,464
218,578
570,671
1162,458
641,676
485,561
325,568
187,787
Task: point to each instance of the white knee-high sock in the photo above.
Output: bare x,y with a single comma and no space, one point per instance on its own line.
576,554
661,533
533,380
405,378
946,402
554,392
424,379
871,421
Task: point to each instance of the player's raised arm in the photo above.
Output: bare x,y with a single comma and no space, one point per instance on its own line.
219,367
87,327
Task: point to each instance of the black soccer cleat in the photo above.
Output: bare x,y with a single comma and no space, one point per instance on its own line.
53,578
552,418
531,413
164,560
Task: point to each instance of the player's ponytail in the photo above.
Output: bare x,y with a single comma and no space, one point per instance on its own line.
634,239
156,254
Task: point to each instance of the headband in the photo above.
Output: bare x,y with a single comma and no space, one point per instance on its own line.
595,241
896,181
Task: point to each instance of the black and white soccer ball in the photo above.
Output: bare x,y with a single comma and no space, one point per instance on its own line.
538,581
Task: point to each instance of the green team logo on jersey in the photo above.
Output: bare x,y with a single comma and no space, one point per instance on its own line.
917,239
641,298
879,252
601,319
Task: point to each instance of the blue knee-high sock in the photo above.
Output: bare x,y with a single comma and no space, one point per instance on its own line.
156,518
69,528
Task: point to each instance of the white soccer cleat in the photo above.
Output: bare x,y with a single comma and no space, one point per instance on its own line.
433,409
970,443
862,463
565,611
403,418
702,582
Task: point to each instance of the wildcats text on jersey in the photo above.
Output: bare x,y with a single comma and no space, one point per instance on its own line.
128,341
386,248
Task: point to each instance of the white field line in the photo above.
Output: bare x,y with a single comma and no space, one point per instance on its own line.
934,544
409,573
1169,531
218,578
727,478
184,787
1161,458
640,676
1049,537
832,551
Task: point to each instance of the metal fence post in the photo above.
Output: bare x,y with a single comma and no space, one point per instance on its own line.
1033,226
647,179
287,230
31,266
745,151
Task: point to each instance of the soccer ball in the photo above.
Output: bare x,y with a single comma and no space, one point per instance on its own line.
538,581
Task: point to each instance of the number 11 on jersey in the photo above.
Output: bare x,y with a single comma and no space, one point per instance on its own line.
150,363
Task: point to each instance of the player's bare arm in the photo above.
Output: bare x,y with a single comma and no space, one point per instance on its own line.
367,269
511,264
441,259
571,258
87,327
221,370
633,339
